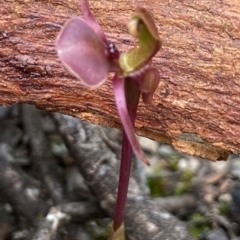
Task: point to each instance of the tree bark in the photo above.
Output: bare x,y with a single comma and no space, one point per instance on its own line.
196,106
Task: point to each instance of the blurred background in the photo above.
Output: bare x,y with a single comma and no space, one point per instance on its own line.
37,172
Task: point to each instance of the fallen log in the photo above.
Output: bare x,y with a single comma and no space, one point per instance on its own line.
196,106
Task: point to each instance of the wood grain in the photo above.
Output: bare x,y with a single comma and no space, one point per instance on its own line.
196,106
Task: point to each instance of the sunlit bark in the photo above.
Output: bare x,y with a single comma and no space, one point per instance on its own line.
196,107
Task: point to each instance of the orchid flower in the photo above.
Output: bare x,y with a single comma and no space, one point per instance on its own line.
86,52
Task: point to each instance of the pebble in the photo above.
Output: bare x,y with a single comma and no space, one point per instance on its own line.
166,150
4,112
216,234
148,145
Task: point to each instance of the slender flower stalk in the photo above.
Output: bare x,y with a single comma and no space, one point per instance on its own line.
124,176
86,52
132,95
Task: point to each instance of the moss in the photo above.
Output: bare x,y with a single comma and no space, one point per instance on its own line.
199,225
97,231
184,184
158,186
224,209
173,163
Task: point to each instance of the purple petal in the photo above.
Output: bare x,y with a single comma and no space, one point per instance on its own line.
89,17
83,52
119,92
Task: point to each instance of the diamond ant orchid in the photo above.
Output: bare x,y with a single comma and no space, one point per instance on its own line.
86,52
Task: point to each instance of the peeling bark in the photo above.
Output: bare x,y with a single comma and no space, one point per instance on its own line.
196,106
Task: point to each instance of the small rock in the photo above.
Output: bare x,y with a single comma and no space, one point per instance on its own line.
216,234
219,165
4,112
189,163
21,234
235,208
10,133
235,166
236,172
58,147
183,163
148,145
48,124
166,150
226,197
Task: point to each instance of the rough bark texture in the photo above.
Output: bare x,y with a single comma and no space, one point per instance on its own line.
196,107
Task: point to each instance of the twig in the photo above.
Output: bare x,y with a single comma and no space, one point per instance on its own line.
81,211
15,187
42,158
48,228
174,204
78,232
